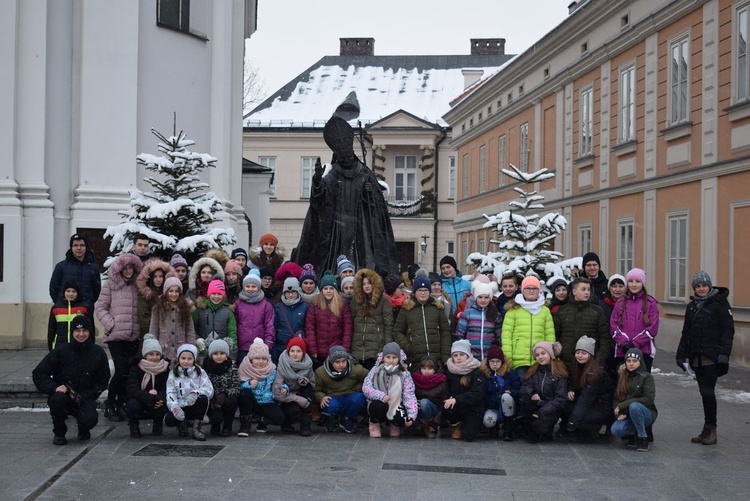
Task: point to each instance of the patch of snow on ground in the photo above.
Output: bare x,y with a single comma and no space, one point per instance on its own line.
26,409
734,396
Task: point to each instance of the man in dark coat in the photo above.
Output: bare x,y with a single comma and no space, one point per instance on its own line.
580,317
78,266
73,375
592,269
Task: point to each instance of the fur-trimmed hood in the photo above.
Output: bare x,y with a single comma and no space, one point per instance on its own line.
115,278
144,288
195,270
410,303
219,255
377,286
287,270
280,252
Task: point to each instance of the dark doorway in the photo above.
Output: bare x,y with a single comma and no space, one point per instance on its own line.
97,245
405,251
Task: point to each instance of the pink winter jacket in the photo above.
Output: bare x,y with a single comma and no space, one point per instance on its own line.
117,307
633,328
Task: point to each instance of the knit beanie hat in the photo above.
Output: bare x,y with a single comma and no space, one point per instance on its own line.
269,238
291,284
701,278
150,345
258,349
177,261
449,260
435,277
614,278
590,256
421,283
233,266
328,279
172,282
634,353
78,236
391,283
586,344
553,350
411,270
531,282
72,284
266,272
82,322
308,273
346,280
557,282
299,342
337,352
343,264
216,287
482,289
218,346
253,277
239,251
187,347
495,352
637,274
462,345
392,348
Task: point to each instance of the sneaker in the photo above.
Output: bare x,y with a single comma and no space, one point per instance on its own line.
642,445
245,426
374,429
329,422
262,426
59,440
348,426
287,428
632,441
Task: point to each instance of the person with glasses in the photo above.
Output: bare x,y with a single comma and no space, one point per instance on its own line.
289,317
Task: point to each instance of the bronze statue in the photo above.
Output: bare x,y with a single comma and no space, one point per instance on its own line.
347,214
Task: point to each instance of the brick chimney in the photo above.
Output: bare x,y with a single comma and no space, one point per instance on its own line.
357,47
487,46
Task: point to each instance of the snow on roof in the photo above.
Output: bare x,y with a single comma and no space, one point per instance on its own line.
382,88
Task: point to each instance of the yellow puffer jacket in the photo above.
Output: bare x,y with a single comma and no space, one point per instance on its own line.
522,330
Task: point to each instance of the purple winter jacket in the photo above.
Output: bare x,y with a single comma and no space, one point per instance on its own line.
633,328
117,306
254,320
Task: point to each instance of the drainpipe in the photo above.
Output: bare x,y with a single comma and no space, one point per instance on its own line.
443,135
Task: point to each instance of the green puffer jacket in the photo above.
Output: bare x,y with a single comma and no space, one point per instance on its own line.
522,330
641,389
326,386
422,329
370,331
577,319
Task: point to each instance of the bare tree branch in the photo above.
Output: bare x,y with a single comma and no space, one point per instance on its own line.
254,88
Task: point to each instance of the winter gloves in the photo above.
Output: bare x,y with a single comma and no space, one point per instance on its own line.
190,399
179,414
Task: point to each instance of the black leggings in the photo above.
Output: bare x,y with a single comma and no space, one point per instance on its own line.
470,417
196,411
271,412
706,376
122,352
61,406
223,413
378,410
292,410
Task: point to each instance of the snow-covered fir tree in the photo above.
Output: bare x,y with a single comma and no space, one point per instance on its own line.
524,235
178,215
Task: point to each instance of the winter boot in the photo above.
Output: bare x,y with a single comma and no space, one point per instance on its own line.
287,426
329,422
305,421
226,430
83,435
215,429
182,429
198,431
59,440
650,433
158,428
704,433
428,428
457,431
710,438
395,431
642,444
245,426
374,429
110,411
135,431
121,410
508,427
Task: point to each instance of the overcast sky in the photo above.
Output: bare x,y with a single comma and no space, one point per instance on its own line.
293,34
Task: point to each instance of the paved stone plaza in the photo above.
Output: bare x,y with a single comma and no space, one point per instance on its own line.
339,466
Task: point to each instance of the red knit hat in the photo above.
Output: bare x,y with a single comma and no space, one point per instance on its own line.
495,352
297,341
269,238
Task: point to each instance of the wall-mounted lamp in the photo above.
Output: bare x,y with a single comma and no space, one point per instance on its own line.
423,243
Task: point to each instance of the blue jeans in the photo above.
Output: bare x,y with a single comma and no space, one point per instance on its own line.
639,418
427,410
348,405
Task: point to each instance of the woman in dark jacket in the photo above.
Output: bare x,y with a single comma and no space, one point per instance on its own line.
706,344
466,385
544,391
372,318
147,387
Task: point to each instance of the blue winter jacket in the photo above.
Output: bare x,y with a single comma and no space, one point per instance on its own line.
455,287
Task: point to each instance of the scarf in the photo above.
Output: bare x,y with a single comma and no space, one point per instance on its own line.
150,370
214,369
201,288
291,302
711,293
428,382
309,297
252,298
532,307
395,302
295,371
248,372
464,367
347,297
387,378
338,375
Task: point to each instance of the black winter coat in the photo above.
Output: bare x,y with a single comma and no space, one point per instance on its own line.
81,366
471,397
577,319
135,377
552,391
599,393
708,329
85,272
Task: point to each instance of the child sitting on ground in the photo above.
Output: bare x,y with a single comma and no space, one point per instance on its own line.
226,382
294,386
257,374
147,388
431,390
635,410
188,392
503,387
466,384
543,392
338,389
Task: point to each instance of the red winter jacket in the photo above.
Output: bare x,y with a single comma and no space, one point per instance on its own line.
324,330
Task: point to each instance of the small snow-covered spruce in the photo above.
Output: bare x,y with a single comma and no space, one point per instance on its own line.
523,236
178,215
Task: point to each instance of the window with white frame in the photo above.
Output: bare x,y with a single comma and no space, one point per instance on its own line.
465,176
524,147
501,164
584,239
406,177
451,178
174,14
308,167
480,247
679,60
586,117
625,232
677,255
482,168
742,53
627,104
270,162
